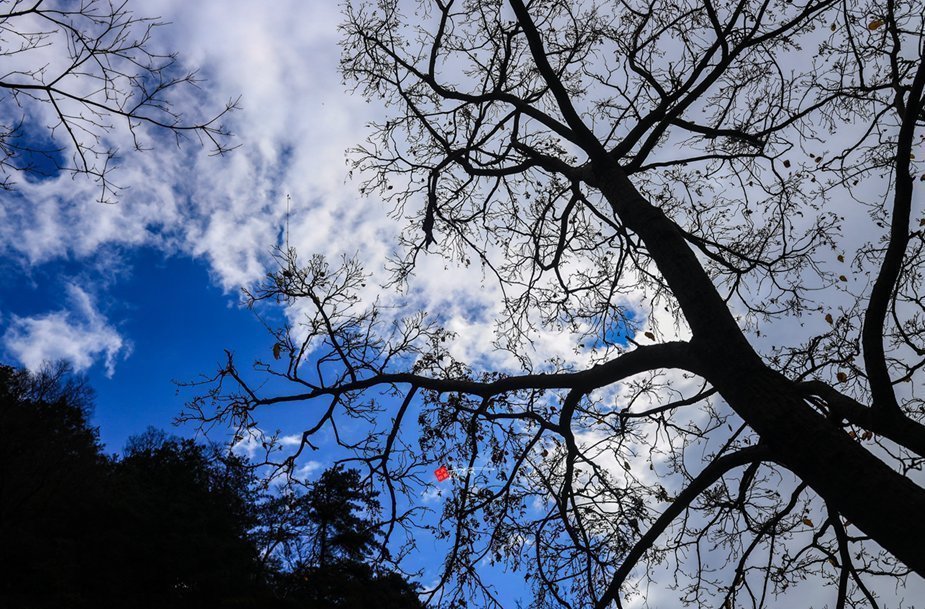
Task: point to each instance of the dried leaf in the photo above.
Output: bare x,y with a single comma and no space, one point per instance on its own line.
843,278
876,23
867,435
842,377
277,348
828,318
852,435
841,258
833,27
786,163
650,336
808,522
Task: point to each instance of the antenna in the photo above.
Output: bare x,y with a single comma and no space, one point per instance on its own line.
288,203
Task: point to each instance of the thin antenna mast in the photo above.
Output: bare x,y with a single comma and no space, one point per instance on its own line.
288,202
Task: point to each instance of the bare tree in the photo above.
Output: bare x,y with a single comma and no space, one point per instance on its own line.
704,154
70,72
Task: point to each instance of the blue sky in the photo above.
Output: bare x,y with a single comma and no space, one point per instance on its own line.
146,291
172,318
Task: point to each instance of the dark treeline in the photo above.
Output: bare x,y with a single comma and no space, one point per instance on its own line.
170,523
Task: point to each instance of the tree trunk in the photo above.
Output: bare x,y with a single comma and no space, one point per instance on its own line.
882,503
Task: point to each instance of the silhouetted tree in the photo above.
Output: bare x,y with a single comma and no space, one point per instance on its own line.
339,532
172,523
327,542
185,511
52,476
674,171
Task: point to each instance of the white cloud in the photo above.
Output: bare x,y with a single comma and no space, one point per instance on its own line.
79,334
295,126
254,441
296,123
305,471
432,494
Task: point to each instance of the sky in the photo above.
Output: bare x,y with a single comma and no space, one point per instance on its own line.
145,293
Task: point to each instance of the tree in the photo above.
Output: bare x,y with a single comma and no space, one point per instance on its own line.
326,537
678,174
339,533
189,508
72,72
51,475
167,525
172,523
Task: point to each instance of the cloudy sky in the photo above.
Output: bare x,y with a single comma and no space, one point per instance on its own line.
147,290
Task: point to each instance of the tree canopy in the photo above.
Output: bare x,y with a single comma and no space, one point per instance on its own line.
166,525
326,541
171,523
677,187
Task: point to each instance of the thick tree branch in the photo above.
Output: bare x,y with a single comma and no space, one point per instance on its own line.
891,425
881,387
709,476
641,359
584,136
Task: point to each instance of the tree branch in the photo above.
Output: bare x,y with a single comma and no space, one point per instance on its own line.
710,475
881,387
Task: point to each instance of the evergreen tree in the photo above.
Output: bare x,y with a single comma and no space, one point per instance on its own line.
186,510
332,555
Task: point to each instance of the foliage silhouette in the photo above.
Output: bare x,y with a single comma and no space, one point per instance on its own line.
52,502
329,566
172,523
